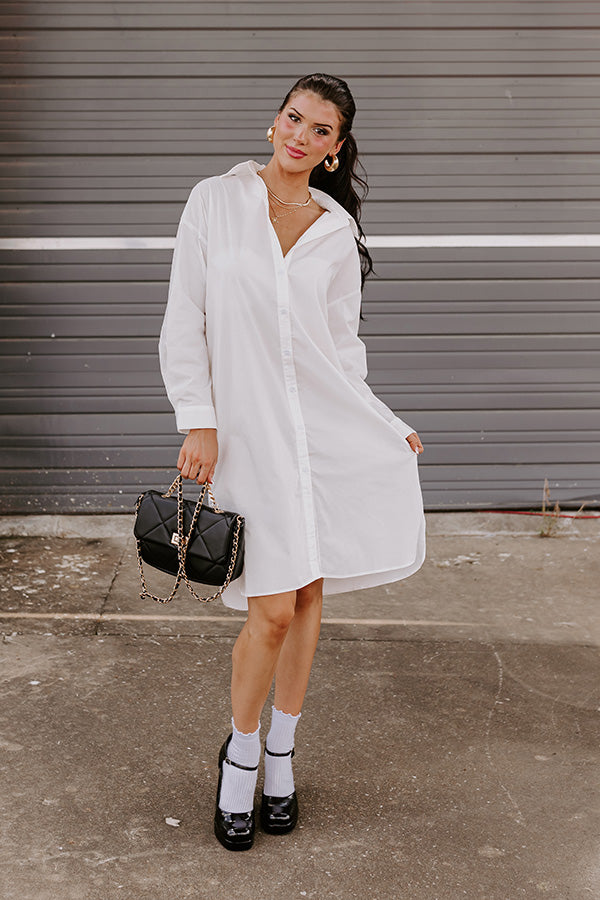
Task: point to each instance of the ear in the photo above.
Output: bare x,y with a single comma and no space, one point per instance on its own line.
337,146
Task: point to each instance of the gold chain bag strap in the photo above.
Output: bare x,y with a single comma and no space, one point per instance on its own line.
216,539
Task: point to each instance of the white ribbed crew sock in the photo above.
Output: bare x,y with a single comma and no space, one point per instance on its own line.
279,779
238,785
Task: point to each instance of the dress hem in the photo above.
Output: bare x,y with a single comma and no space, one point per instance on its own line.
335,578
348,582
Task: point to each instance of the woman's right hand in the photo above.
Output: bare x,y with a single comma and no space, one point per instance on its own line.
198,455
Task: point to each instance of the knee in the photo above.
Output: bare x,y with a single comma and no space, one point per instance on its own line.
273,619
310,595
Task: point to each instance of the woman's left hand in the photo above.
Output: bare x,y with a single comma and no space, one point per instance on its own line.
415,442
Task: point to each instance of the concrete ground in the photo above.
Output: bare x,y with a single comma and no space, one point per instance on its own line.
448,746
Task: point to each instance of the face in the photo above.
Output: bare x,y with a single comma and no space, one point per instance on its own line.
308,124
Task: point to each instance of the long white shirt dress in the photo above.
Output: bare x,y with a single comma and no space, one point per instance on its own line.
265,348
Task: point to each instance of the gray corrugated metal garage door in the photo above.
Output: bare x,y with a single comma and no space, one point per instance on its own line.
476,120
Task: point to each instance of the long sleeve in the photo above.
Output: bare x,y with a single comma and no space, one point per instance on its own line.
343,305
183,352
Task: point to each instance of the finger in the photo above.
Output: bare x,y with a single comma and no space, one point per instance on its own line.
189,469
185,469
202,473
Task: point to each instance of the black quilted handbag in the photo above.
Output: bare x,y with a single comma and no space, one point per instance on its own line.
189,540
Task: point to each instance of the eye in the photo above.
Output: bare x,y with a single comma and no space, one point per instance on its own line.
320,131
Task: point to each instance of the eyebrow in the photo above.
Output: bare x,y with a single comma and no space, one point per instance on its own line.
322,124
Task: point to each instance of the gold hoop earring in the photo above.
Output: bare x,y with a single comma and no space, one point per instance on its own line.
331,166
270,133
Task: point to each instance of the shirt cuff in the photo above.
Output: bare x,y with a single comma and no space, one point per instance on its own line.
402,427
195,417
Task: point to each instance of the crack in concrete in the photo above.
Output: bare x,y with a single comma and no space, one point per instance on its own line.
110,586
552,697
519,815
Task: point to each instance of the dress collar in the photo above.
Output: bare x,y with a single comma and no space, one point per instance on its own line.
249,169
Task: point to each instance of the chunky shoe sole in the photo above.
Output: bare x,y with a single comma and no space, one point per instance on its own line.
227,824
279,815
229,844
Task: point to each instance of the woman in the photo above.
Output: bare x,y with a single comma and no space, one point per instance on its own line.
263,365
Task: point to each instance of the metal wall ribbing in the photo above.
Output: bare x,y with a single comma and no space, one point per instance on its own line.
474,119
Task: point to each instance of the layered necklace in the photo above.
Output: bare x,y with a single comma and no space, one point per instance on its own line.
295,205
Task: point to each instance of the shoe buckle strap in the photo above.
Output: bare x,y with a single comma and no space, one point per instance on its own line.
289,753
239,765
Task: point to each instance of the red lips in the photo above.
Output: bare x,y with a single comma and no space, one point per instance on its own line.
295,152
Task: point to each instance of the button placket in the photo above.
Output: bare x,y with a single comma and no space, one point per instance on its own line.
289,372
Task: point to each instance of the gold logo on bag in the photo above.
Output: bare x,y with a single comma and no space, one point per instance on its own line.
175,538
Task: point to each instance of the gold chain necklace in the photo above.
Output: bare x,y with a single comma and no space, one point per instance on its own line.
289,202
283,215
295,204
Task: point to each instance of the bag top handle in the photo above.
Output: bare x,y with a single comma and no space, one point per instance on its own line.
206,486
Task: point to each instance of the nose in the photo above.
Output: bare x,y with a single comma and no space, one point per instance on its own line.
301,133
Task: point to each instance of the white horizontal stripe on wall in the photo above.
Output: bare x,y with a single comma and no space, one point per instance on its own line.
374,241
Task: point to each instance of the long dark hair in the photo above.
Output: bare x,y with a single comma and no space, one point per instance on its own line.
338,184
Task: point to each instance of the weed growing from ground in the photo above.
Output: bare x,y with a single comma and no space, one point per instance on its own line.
550,519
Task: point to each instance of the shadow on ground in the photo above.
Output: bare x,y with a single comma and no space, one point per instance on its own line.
448,745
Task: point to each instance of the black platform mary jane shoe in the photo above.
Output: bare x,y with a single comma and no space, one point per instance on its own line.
235,831
279,815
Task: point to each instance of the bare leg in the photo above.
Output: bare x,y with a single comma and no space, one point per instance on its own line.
295,658
255,655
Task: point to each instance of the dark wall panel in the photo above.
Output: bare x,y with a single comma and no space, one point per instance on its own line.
474,119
